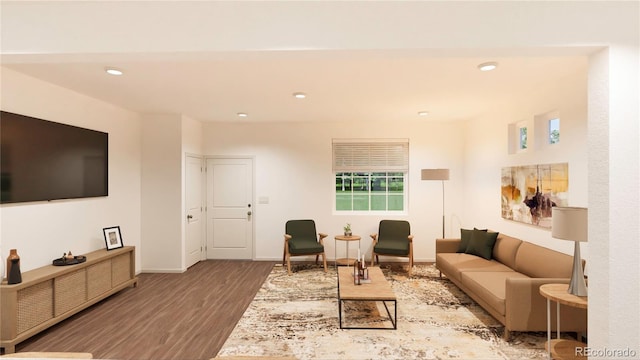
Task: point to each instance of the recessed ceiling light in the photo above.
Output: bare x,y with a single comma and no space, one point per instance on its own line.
299,95
241,114
113,71
488,66
423,113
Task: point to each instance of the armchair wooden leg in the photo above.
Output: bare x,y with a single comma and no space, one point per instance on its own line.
410,266
289,265
324,261
410,258
284,255
317,259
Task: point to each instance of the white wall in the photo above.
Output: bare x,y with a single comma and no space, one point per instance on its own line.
614,178
43,231
146,155
293,169
192,144
166,139
161,196
191,131
486,153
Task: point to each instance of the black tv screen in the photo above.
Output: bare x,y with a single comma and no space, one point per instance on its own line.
44,160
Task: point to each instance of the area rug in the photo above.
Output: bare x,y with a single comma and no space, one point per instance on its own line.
297,316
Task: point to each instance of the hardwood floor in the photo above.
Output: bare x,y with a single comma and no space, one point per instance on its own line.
168,316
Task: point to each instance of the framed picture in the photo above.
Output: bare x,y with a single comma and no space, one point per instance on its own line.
529,192
112,237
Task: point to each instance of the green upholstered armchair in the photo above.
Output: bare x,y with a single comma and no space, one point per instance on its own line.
393,239
300,239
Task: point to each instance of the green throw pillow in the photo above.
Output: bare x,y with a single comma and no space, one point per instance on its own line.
465,237
481,243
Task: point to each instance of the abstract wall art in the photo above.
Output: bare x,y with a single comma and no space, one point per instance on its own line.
530,191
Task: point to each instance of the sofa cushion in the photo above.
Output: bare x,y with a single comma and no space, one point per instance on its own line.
305,246
481,243
540,262
389,247
453,264
490,286
505,250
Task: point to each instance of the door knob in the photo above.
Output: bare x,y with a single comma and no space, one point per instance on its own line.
189,217
249,213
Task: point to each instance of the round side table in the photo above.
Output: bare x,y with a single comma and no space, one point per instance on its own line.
344,261
562,348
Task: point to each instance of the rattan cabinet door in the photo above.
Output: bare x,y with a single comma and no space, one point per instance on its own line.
120,269
98,279
70,291
35,305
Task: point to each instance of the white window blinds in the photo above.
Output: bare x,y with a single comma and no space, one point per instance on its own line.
370,155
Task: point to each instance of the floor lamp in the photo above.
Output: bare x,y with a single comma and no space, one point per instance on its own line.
437,174
570,223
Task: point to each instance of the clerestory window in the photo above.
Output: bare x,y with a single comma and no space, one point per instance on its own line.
554,131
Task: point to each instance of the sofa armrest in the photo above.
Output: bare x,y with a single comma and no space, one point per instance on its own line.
447,245
526,308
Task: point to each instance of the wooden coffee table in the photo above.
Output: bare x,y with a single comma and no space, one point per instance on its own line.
378,290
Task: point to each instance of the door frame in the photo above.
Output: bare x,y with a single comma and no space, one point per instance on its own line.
205,159
203,234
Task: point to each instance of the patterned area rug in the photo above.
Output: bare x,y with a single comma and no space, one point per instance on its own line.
297,316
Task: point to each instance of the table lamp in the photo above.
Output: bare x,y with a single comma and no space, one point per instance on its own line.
437,174
570,223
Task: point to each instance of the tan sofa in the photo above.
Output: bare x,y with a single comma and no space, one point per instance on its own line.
507,286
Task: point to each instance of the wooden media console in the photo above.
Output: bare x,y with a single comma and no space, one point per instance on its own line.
50,294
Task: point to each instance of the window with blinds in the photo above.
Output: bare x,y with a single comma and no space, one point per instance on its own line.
370,174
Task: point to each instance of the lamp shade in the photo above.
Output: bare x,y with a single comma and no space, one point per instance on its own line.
569,223
435,174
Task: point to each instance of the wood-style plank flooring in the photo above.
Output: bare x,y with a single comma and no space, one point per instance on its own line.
168,316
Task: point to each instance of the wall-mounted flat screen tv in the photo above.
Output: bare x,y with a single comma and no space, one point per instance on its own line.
43,160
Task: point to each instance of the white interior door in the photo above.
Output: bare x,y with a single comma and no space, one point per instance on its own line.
229,208
193,204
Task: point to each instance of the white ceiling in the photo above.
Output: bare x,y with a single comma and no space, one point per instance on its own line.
344,81
344,86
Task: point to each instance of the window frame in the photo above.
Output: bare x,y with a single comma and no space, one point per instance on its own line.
555,119
523,137
377,161
542,123
370,193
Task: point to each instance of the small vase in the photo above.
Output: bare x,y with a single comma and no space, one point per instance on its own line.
13,253
347,233
14,276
